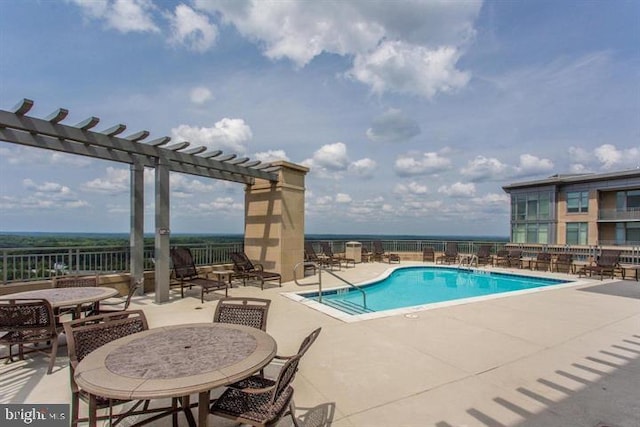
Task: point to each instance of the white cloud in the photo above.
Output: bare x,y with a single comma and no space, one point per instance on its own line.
200,95
363,168
411,188
532,165
343,198
393,126
49,195
401,46
192,29
221,204
271,156
399,67
122,15
226,135
610,157
421,164
484,169
115,182
458,189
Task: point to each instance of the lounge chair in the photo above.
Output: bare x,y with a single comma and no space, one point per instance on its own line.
28,321
483,255
379,254
606,263
324,261
260,401
428,254
450,255
243,311
564,263
542,261
501,258
514,259
246,270
328,252
186,273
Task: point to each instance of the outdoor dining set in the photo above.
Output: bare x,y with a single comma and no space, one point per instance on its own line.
116,360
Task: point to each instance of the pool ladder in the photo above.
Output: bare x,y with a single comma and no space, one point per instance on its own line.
468,261
319,283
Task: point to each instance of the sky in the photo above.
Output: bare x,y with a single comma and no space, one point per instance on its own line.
411,115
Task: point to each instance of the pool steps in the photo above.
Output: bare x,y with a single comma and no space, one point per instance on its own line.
347,306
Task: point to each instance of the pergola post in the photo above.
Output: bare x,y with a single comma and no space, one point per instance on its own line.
136,229
162,239
274,220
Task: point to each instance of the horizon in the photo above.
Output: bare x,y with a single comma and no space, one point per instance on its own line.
411,121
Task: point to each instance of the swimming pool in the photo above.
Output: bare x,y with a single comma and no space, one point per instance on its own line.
414,288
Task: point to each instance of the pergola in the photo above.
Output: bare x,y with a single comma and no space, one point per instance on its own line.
49,133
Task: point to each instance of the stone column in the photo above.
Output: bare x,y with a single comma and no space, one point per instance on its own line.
274,220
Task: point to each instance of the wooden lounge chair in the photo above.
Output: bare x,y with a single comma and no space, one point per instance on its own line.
379,254
501,258
328,253
246,270
542,261
243,311
428,254
28,321
324,261
564,263
186,273
606,263
483,255
450,255
260,401
514,259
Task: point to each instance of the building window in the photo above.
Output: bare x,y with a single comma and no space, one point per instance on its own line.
578,202
628,233
577,233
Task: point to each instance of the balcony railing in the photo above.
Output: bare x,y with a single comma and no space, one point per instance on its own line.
29,264
630,214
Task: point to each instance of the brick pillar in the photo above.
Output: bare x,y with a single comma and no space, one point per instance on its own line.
274,220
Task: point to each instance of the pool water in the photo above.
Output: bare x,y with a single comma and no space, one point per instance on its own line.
415,286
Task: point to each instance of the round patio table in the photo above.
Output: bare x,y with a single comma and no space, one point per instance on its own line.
174,361
67,297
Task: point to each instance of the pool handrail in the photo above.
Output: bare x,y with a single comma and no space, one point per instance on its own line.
319,283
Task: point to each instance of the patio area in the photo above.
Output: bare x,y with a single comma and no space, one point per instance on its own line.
559,357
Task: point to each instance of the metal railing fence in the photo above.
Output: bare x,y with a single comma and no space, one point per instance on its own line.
30,264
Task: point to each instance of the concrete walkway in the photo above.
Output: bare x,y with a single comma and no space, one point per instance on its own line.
564,357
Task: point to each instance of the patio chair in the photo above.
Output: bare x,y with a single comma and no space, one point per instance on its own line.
450,255
428,254
243,311
186,273
28,321
109,306
542,261
75,282
501,258
260,401
379,254
564,263
514,259
245,269
607,262
324,261
333,258
483,255
90,333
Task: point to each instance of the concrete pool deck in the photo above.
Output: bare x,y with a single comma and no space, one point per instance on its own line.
563,357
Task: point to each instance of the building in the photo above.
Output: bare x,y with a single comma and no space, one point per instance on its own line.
577,209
